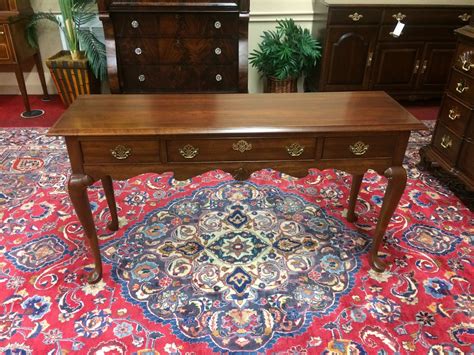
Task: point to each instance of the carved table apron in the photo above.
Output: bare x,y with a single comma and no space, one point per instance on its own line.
120,136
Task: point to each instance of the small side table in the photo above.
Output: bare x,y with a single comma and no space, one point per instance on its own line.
16,55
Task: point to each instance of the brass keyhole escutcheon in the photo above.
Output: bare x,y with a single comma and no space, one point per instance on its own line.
359,148
121,152
295,149
188,151
242,146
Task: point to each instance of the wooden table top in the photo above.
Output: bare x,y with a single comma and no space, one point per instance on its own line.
178,114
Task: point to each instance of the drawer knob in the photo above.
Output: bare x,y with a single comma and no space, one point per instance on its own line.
461,87
453,115
355,16
399,16
217,24
141,77
359,148
242,146
218,77
464,17
295,150
135,24
138,51
2,33
446,142
121,152
188,151
218,51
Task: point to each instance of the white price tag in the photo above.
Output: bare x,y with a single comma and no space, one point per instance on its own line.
398,29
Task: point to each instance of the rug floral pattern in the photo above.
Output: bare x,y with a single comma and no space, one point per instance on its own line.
211,265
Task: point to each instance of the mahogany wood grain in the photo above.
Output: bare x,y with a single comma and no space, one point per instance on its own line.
241,133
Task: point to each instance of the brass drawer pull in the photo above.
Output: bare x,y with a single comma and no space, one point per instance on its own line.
218,51
399,16
134,24
188,151
138,51
417,66
466,61
295,150
141,77
121,152
453,115
242,146
217,24
370,57
461,87
359,148
446,142
355,16
464,17
424,66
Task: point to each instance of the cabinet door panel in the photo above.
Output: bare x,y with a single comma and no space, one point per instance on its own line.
397,65
349,51
434,71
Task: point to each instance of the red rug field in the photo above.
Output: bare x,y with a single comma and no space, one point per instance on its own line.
212,265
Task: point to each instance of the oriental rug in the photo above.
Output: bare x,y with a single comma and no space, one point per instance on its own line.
213,265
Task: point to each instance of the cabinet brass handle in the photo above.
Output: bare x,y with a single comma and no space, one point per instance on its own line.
121,152
359,148
446,142
461,87
453,115
399,16
424,66
295,149
355,16
242,146
417,66
369,59
464,17
188,151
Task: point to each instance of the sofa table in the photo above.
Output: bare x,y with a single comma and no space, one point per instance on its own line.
118,137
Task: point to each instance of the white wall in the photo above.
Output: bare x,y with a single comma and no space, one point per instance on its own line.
263,15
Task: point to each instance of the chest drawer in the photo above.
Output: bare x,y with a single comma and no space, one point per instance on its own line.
360,147
170,78
216,24
418,33
137,50
464,58
120,151
197,51
446,143
5,47
354,16
461,86
455,115
423,16
240,149
136,24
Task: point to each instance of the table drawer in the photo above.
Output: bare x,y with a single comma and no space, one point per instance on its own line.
216,24
240,149
198,51
464,58
357,15
461,86
424,16
359,147
455,115
169,78
120,151
446,143
5,48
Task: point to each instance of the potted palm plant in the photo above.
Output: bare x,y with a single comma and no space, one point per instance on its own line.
80,69
284,55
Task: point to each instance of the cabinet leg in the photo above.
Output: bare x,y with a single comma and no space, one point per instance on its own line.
77,187
109,195
397,178
39,66
356,182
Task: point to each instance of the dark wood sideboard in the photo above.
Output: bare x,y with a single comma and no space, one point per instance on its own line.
362,53
452,145
15,53
241,133
176,45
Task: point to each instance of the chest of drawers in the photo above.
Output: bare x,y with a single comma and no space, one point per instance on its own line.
176,46
452,145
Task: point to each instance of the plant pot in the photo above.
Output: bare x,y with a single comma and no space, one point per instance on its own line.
281,86
72,77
